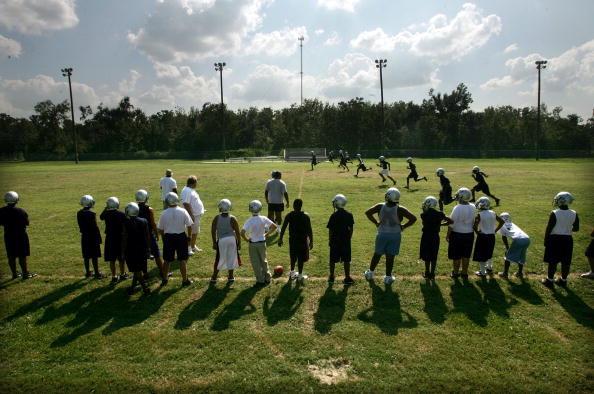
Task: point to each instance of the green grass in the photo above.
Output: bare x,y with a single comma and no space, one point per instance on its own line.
61,331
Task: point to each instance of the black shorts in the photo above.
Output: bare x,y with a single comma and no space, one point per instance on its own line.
340,251
413,175
429,247
481,187
175,244
276,207
558,249
590,249
136,263
90,245
154,246
113,247
483,248
446,196
17,244
299,251
460,245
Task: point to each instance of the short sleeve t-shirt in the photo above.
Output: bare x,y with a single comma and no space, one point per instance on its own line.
445,182
276,190
167,184
339,224
174,220
14,219
479,177
190,196
432,219
256,227
463,217
299,225
512,231
114,220
412,167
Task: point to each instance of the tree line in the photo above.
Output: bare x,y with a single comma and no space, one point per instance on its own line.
440,122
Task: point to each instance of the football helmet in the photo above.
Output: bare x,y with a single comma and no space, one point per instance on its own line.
562,198
476,169
440,171
506,216
224,206
392,195
141,195
409,159
463,195
132,209
430,202
483,203
112,203
87,201
255,206
358,154
382,158
339,201
11,197
171,199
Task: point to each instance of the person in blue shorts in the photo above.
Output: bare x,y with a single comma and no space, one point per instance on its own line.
516,252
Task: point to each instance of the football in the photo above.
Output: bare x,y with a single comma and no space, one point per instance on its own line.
278,270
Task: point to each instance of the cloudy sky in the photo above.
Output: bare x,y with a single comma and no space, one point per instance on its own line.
161,52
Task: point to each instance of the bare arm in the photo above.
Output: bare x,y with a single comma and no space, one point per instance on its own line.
152,224
504,239
500,223
282,234
372,211
266,195
271,230
188,208
408,215
310,232
213,232
287,199
448,234
447,221
235,226
246,239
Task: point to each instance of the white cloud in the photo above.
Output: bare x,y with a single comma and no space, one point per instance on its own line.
270,84
496,83
277,43
20,96
180,30
334,39
511,48
345,5
9,47
36,16
127,86
319,32
442,40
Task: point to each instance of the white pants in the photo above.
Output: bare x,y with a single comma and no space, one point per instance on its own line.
227,254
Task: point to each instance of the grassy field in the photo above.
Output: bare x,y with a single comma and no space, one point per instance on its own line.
60,330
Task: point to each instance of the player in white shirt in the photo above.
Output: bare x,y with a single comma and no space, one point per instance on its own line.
460,234
193,204
254,232
275,191
167,185
516,252
486,224
173,225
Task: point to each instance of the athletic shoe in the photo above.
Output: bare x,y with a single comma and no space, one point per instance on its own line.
330,279
186,282
196,249
29,276
503,275
497,202
489,271
16,275
302,278
454,276
230,280
480,274
388,280
561,282
114,280
589,275
88,274
348,281
99,276
124,276
519,275
292,275
368,274
190,252
547,282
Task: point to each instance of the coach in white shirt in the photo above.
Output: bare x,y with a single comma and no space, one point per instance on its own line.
167,185
195,208
275,191
173,224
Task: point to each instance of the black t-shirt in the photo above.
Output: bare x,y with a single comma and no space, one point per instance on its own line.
340,223
114,220
87,223
412,167
299,225
384,164
14,219
445,182
432,220
479,177
136,230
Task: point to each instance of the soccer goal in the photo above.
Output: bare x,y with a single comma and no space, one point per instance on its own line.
304,154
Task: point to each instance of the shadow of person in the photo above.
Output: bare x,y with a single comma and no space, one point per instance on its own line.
525,292
330,309
385,311
200,309
240,306
46,300
468,300
575,306
285,304
435,306
494,297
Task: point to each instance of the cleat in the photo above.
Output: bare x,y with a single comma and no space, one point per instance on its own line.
388,280
348,281
302,278
368,274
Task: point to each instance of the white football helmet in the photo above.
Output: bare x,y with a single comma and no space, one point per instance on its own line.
339,201
87,201
483,203
11,197
224,206
392,195
463,195
506,216
382,158
440,171
255,206
132,209
141,195
476,169
409,159
358,154
429,203
171,199
562,198
112,203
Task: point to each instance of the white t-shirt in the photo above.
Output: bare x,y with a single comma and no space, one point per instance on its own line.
488,222
256,227
463,217
167,185
512,231
174,220
190,196
564,224
276,190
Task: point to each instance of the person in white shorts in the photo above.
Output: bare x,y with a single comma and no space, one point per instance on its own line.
275,191
385,169
226,241
193,204
254,232
167,185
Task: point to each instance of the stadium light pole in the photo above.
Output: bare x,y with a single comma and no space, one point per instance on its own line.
540,64
381,63
219,67
67,72
301,72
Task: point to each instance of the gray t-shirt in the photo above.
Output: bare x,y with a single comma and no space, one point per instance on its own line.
276,190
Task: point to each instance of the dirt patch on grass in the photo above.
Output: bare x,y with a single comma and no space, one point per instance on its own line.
557,334
331,371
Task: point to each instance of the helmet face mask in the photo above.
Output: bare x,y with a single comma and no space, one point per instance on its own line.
463,195
141,196
429,203
339,201
132,209
255,206
11,197
87,201
562,199
172,199
224,206
112,203
483,203
392,195
440,172
382,158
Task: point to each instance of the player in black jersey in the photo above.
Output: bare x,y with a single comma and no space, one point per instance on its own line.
445,194
481,184
361,166
314,160
413,172
385,169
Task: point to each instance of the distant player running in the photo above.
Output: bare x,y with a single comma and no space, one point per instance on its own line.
481,184
413,172
445,194
314,160
361,166
331,156
385,169
343,160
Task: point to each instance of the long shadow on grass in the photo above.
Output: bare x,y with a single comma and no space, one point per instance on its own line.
113,308
494,297
239,307
576,307
203,307
435,306
330,309
525,292
468,300
286,303
47,300
385,311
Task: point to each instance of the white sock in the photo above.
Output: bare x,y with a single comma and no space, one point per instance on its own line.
482,265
